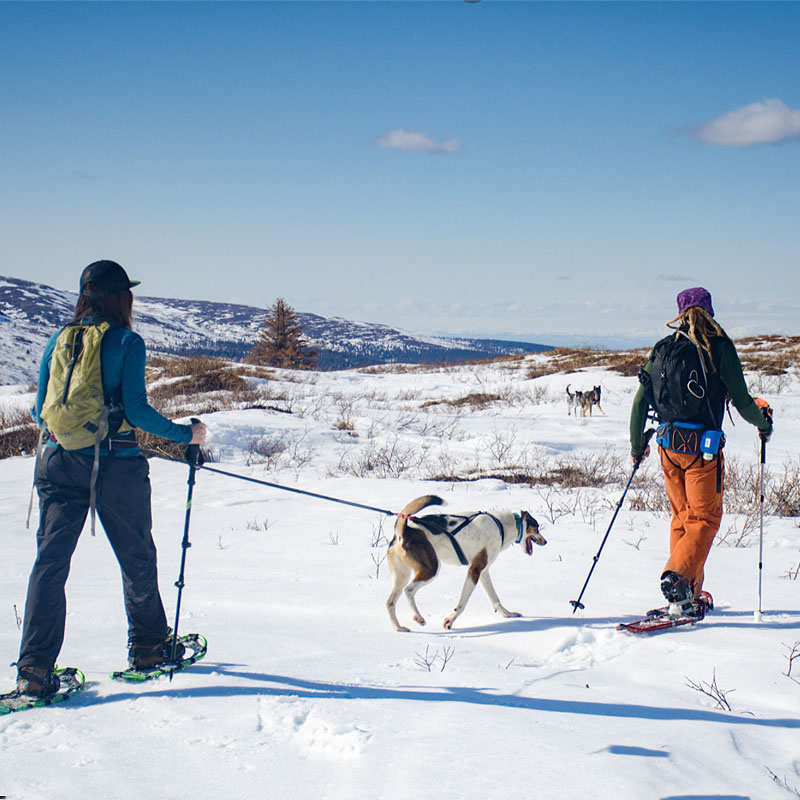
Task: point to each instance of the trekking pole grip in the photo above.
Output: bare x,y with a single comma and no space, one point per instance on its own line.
194,455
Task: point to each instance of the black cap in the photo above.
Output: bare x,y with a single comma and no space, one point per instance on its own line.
106,277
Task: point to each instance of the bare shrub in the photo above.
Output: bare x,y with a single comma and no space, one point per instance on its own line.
538,395
792,655
19,434
742,490
783,494
598,468
347,406
440,426
649,493
266,449
377,560
388,460
378,537
588,504
502,442
300,452
636,544
712,690
556,504
769,384
784,783
427,659
740,529
152,445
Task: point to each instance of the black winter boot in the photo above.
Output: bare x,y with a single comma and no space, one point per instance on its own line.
37,681
144,657
676,588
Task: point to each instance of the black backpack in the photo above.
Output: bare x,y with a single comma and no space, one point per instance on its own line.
678,387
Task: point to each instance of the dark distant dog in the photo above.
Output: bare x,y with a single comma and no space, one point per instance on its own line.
589,399
583,401
421,544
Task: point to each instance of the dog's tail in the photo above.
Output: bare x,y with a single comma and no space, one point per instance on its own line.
412,508
568,392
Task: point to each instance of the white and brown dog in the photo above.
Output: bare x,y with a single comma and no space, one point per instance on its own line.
421,544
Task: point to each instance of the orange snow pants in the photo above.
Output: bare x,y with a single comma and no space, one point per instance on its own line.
696,512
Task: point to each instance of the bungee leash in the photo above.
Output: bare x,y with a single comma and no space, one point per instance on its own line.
194,457
200,464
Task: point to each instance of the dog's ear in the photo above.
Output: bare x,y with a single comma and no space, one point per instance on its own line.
530,521
532,528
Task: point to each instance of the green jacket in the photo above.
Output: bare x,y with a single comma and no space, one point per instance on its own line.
730,370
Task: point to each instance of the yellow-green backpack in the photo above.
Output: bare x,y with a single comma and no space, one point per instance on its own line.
74,409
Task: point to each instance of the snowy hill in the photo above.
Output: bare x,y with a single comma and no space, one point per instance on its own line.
29,312
308,692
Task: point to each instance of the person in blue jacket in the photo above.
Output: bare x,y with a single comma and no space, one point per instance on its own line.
122,494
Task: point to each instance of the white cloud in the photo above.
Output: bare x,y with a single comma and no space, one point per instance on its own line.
409,141
757,123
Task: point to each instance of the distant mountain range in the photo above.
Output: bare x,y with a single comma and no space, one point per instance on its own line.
30,312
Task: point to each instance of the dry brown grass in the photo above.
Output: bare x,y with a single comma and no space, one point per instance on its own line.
576,359
769,355
588,470
473,400
202,385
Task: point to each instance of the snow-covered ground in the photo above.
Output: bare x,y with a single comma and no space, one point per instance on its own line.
308,692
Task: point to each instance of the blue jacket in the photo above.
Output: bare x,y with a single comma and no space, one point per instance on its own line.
122,360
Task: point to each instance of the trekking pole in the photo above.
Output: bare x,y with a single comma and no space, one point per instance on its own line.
194,457
576,604
767,412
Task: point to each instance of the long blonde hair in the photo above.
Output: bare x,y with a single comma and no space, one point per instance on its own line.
700,327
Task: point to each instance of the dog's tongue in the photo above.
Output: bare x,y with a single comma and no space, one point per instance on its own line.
529,546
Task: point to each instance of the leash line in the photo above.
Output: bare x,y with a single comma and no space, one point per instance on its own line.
271,485
426,523
300,491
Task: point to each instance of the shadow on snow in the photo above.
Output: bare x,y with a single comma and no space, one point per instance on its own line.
317,690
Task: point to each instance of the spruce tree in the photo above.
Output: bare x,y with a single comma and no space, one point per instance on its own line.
282,343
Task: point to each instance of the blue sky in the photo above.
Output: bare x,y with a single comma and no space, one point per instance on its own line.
549,171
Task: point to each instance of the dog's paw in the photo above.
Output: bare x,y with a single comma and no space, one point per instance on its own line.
448,623
419,620
401,629
506,613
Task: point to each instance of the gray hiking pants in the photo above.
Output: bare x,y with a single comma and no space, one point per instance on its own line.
123,506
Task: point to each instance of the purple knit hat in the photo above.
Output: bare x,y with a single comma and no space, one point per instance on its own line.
695,297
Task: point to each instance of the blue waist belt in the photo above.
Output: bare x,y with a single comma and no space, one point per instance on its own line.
691,438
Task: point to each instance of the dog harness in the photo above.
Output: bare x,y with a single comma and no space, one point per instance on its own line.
432,523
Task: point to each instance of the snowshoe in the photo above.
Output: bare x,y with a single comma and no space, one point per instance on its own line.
70,681
192,648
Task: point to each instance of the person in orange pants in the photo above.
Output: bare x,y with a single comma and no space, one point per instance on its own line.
696,513
686,381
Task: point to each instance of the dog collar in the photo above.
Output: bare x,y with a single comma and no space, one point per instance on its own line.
518,520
